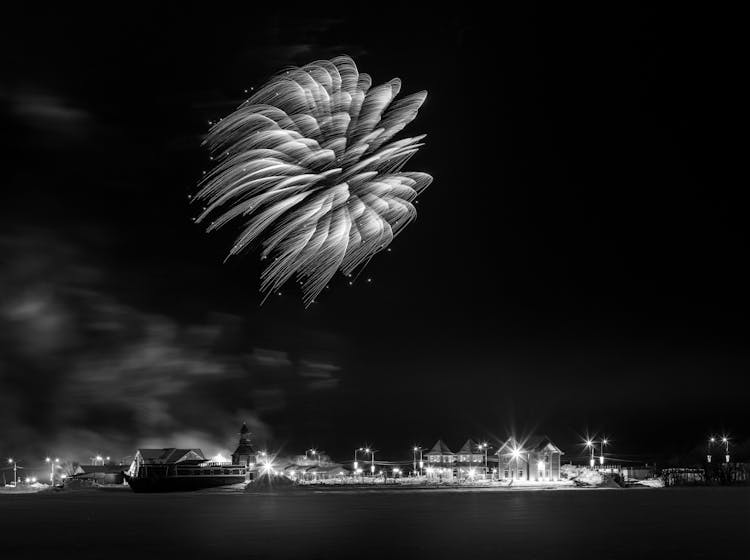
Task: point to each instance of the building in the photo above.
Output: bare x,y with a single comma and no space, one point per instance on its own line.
469,461
100,474
440,461
535,458
244,454
160,459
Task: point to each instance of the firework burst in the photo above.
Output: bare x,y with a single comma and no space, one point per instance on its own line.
310,168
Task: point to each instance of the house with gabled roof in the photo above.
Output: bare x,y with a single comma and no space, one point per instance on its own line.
440,461
470,460
534,458
145,458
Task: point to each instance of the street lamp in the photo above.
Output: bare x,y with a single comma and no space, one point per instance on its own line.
711,441
601,450
725,441
15,470
590,444
52,465
372,460
414,455
484,446
356,463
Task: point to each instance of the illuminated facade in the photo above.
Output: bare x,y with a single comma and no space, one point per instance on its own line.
470,461
440,461
534,459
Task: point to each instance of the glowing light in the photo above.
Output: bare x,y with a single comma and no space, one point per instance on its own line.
472,473
310,167
219,458
515,452
47,460
63,476
27,480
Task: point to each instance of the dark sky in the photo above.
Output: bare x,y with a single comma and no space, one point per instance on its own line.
578,263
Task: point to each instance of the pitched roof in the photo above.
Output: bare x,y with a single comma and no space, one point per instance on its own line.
469,447
535,443
441,448
170,455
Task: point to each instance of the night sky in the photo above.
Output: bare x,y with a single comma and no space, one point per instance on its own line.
579,262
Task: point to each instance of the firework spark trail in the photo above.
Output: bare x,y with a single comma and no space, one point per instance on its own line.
310,167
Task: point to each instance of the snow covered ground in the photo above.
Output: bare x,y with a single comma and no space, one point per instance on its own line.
652,482
424,482
24,488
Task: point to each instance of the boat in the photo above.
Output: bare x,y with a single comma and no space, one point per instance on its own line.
180,470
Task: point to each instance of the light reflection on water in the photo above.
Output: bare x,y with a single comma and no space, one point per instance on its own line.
680,522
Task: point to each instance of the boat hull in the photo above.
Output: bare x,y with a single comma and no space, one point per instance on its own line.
181,483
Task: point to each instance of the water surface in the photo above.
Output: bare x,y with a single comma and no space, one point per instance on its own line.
644,523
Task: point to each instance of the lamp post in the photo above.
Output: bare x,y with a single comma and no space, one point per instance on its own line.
590,445
601,450
372,460
711,441
484,446
15,471
52,465
356,463
725,441
421,462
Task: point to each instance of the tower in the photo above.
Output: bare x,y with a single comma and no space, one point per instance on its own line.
244,454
